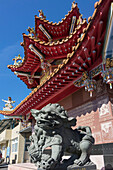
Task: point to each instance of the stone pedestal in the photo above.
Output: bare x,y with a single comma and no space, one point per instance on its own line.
87,167
22,166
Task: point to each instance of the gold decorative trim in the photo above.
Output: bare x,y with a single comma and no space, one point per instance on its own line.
60,22
56,70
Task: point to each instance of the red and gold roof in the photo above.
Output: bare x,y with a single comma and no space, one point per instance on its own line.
57,30
85,56
53,52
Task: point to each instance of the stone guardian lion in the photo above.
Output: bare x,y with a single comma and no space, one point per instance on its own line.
53,129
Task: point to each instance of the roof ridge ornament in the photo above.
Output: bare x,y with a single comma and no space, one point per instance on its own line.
79,20
8,105
41,14
31,32
17,60
73,4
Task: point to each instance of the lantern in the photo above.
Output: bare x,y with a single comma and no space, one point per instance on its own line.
107,73
90,85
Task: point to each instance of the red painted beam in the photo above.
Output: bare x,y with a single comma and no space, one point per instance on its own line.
100,27
93,55
63,92
92,43
33,71
99,45
55,57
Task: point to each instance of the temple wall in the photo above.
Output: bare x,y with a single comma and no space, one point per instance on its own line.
95,111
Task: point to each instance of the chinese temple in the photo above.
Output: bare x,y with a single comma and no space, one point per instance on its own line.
71,63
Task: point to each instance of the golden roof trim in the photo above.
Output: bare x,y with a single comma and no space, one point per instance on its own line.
6,112
60,22
48,43
59,67
71,54
63,40
17,66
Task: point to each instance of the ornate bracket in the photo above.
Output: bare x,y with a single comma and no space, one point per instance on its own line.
43,64
87,82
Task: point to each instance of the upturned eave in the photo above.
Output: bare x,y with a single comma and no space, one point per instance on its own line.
54,89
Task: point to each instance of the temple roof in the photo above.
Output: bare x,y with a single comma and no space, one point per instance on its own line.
50,51
57,30
85,56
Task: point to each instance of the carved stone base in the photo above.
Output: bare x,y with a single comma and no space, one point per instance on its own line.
85,167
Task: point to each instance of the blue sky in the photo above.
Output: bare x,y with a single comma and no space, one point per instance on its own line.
15,17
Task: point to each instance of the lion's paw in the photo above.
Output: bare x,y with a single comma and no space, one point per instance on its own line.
78,162
82,160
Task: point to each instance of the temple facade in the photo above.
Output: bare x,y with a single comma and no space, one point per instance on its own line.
71,63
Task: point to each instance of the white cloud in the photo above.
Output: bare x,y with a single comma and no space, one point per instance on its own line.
10,52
